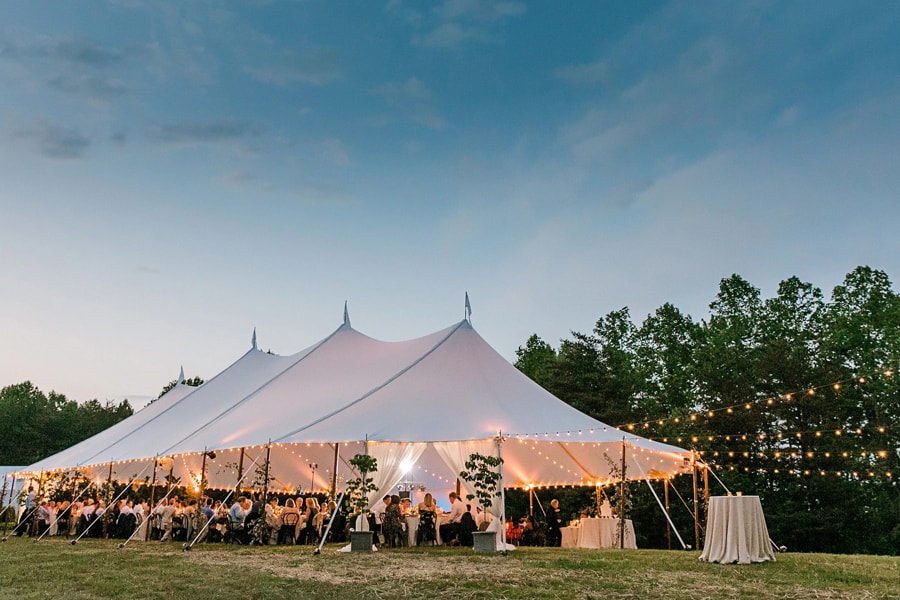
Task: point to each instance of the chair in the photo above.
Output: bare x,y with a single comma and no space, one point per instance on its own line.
426,532
288,528
234,533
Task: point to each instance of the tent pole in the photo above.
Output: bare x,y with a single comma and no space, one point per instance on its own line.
530,501
266,483
37,498
705,496
337,449
622,501
171,477
241,467
60,515
668,525
3,504
502,490
152,499
111,503
202,476
696,507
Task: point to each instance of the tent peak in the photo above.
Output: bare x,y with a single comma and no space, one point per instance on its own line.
346,315
253,339
180,379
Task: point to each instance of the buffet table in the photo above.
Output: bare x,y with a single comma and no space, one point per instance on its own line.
594,532
736,531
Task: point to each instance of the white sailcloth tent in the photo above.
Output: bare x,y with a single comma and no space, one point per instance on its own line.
421,407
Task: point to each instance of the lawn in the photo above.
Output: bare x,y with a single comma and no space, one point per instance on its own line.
99,569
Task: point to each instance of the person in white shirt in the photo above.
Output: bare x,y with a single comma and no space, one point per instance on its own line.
450,530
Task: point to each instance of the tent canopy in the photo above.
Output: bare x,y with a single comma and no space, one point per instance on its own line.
421,406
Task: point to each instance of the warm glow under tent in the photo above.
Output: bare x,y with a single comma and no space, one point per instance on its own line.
419,406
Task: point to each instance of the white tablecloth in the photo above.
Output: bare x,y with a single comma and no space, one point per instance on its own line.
597,532
736,531
569,536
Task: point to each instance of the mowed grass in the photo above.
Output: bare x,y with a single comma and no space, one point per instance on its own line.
99,569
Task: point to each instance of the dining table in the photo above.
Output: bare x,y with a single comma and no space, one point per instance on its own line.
598,532
736,531
412,524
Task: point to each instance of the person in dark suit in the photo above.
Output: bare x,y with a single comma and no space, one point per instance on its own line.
554,535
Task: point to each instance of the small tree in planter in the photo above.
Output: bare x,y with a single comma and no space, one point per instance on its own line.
358,490
483,472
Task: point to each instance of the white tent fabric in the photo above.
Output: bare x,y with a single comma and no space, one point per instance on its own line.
432,399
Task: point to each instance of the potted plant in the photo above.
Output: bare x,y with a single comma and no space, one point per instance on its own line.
483,472
358,490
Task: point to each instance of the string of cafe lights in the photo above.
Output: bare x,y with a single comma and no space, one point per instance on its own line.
783,436
857,475
767,400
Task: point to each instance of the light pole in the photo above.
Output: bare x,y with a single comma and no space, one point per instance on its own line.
312,475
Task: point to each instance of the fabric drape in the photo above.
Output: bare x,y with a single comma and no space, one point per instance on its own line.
455,455
394,459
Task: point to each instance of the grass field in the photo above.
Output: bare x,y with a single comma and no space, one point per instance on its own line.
99,569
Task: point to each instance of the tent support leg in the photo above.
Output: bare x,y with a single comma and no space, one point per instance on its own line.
696,507
337,507
622,500
502,492
337,448
668,523
665,509
152,497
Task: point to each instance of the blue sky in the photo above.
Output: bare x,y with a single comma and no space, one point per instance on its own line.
174,174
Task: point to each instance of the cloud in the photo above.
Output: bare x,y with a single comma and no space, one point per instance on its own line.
202,132
86,52
95,87
480,10
55,141
395,94
456,21
314,67
583,74
334,151
411,99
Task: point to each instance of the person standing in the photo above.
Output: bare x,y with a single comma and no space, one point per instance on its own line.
554,535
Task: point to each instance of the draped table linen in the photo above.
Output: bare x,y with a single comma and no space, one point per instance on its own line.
736,531
598,532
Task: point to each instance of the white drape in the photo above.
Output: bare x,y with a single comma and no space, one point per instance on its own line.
394,460
455,455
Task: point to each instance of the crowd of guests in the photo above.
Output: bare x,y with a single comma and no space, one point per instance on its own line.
254,520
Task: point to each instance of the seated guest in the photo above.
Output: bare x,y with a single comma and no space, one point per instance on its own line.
427,521
466,527
290,523
309,534
378,513
393,523
450,530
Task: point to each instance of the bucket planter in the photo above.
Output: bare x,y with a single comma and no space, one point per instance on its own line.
361,541
484,541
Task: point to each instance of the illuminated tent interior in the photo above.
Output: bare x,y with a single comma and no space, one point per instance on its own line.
420,406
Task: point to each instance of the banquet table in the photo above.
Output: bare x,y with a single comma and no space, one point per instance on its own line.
736,531
597,532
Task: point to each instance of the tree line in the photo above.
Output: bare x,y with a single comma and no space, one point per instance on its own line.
793,398
37,425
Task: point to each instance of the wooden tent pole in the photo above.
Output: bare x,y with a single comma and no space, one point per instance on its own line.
696,502
337,449
152,499
622,501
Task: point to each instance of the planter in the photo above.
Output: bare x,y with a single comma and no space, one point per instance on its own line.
484,541
360,541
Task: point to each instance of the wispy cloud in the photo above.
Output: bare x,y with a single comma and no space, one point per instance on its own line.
314,67
220,131
56,141
411,100
97,88
583,74
454,22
